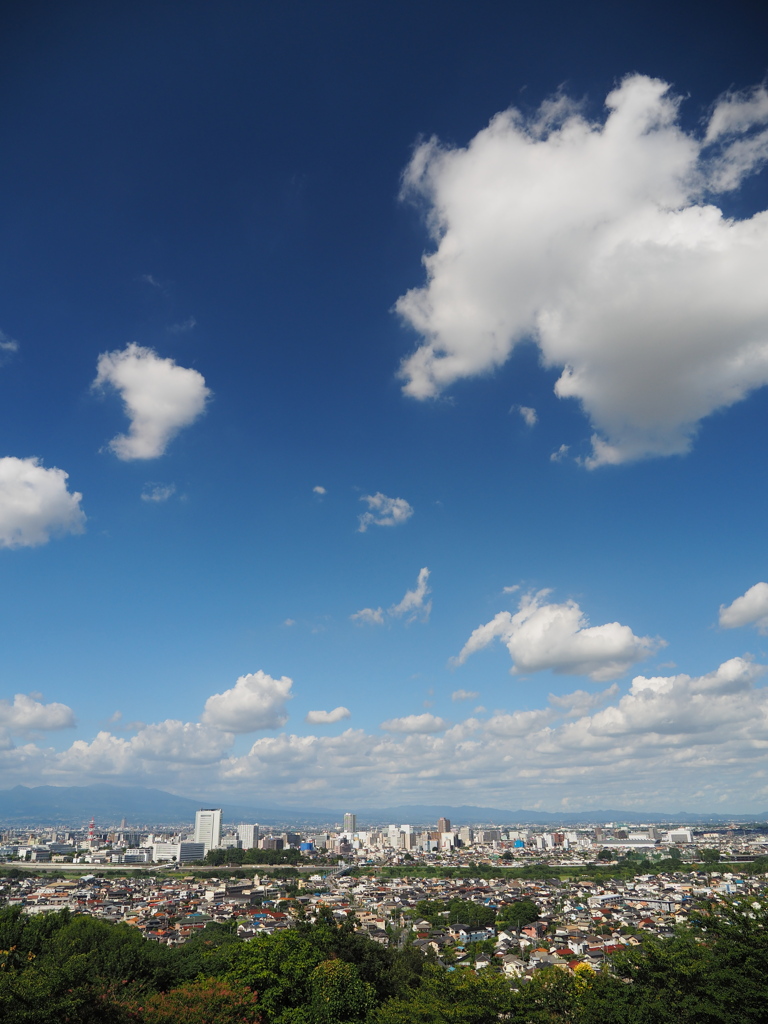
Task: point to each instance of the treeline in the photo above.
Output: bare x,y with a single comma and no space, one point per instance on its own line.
625,869
68,969
237,857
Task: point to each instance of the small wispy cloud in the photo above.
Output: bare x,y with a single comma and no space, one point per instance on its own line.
414,605
465,695
327,717
384,511
182,328
319,490
158,492
369,616
425,723
152,281
529,415
7,343
560,454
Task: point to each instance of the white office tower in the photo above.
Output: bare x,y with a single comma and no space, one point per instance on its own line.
249,836
208,827
350,822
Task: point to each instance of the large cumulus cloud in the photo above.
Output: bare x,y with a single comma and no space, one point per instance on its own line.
545,635
35,503
601,240
160,398
256,701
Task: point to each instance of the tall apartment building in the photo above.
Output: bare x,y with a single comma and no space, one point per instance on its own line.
350,822
443,824
208,827
249,835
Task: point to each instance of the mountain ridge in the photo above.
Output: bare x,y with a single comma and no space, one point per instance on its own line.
109,804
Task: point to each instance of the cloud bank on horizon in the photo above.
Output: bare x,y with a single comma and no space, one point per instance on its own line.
602,241
664,732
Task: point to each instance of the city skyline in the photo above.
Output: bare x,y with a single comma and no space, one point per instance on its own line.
384,403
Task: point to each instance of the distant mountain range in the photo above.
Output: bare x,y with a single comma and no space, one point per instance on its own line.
75,805
469,815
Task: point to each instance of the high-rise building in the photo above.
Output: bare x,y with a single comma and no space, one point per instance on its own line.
208,827
443,824
249,835
350,822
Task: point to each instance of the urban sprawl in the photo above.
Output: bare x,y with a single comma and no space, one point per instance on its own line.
378,875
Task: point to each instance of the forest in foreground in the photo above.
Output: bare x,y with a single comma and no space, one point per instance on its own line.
62,968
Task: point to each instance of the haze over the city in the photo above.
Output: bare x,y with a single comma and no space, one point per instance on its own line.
384,403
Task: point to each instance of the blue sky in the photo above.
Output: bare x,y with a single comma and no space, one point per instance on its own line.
407,364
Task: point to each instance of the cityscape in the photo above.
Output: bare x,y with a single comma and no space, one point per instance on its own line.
171,886
441,843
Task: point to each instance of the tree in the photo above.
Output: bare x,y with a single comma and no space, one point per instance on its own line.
278,967
549,996
517,914
206,1001
338,995
476,915
443,997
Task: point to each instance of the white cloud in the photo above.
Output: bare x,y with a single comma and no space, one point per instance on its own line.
327,717
578,703
187,325
464,695
528,414
150,752
256,701
414,603
319,490
8,345
176,741
369,616
384,511
560,454
751,609
289,622
667,742
160,398
153,282
737,112
558,637
158,492
600,241
519,723
26,713
425,723
35,503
